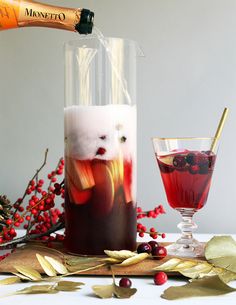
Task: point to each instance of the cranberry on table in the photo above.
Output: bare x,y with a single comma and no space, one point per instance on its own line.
154,244
160,278
144,247
125,282
159,252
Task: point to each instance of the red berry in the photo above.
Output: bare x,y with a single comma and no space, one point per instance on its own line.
179,161
9,222
144,247
125,282
141,234
12,231
101,151
20,209
28,217
59,171
54,179
163,235
41,181
153,244
160,278
29,191
159,252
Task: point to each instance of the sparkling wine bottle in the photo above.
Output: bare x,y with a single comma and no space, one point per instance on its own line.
24,13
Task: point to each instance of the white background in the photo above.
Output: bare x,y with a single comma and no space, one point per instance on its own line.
184,82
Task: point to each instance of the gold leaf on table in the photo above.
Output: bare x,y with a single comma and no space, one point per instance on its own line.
225,275
47,267
58,266
103,291
68,286
185,265
107,291
29,272
112,260
221,252
200,270
121,255
168,265
21,276
37,289
10,280
207,286
134,259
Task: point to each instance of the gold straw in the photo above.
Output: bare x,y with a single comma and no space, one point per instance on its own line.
219,129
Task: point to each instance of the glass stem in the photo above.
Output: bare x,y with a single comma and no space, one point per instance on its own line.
186,226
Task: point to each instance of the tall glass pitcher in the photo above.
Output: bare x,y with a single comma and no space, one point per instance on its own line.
100,145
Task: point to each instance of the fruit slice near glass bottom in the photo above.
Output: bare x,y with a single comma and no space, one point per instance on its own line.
186,166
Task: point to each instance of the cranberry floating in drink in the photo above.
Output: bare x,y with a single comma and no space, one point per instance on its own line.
186,166
100,146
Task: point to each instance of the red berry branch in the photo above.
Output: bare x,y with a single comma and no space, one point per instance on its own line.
40,218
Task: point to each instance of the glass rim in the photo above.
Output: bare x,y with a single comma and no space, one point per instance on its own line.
91,37
185,138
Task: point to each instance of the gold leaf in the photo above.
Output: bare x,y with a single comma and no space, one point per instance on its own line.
68,286
21,276
77,260
10,280
111,260
124,293
207,286
185,265
103,291
107,291
134,259
221,252
200,270
32,274
37,289
58,266
47,267
168,265
121,255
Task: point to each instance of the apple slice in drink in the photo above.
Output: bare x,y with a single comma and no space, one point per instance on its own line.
103,191
80,173
77,196
128,181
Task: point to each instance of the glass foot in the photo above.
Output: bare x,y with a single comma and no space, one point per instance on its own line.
186,248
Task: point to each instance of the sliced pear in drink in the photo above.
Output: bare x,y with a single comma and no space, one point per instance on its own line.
103,190
117,171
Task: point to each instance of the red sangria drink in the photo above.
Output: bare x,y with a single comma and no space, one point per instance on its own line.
100,186
186,166
187,177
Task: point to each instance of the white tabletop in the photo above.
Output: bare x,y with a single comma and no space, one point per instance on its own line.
147,294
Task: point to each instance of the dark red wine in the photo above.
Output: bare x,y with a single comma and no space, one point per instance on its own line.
187,177
100,213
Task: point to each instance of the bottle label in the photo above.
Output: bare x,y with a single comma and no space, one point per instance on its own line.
9,11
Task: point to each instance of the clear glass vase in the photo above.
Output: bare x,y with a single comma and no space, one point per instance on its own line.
100,145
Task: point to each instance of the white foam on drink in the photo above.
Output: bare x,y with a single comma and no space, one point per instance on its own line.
85,126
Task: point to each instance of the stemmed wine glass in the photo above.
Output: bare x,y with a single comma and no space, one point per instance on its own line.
186,166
